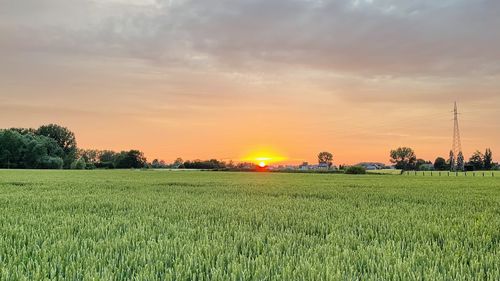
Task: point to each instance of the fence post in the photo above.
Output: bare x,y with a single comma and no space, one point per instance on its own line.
483,174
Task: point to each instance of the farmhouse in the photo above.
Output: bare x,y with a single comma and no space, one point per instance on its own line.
321,166
372,165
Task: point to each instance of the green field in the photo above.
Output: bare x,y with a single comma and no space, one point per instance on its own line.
453,174
160,225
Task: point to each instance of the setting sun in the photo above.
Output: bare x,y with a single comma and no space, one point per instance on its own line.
264,158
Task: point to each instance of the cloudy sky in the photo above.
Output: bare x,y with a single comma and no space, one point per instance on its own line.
229,78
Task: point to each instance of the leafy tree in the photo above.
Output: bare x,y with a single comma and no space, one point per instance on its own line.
325,158
178,163
91,156
212,164
64,138
421,162
488,159
39,151
404,158
158,164
24,131
11,149
54,147
476,160
107,159
440,164
21,148
130,159
48,162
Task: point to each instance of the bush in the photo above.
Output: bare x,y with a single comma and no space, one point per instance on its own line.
355,170
105,165
426,167
48,162
78,164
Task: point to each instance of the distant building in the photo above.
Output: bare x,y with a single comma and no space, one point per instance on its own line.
321,166
304,166
325,166
372,165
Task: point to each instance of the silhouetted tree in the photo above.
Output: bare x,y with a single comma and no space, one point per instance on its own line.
212,164
178,163
158,164
476,160
130,159
421,162
325,158
91,156
404,158
107,159
440,164
488,159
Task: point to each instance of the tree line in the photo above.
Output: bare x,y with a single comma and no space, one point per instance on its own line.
404,158
55,147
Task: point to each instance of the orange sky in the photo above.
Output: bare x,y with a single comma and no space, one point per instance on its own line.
224,79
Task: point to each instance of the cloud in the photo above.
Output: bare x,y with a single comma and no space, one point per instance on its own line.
361,37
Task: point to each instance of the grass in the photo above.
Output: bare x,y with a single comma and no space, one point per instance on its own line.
453,174
152,225
385,172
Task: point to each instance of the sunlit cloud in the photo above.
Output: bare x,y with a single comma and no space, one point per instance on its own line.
353,77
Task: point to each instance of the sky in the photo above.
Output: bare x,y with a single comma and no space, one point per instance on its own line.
227,79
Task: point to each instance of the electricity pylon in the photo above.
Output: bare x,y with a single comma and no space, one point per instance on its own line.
457,144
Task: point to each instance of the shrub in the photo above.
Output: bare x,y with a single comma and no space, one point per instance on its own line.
48,162
78,164
355,170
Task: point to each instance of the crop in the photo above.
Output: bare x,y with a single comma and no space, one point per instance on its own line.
156,225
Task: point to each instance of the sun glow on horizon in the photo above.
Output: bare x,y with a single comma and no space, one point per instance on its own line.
264,158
